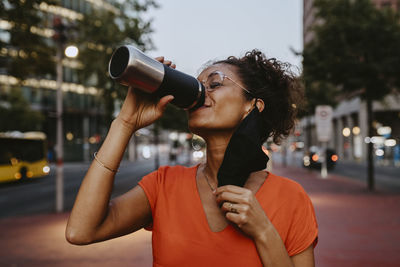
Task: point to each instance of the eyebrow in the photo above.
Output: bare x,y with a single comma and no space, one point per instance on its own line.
214,72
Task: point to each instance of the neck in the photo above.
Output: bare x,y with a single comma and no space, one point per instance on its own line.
216,146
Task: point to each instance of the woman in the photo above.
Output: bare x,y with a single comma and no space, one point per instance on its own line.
269,221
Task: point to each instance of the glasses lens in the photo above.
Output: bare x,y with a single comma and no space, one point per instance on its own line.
214,80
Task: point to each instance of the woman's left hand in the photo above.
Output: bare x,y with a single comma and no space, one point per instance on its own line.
243,209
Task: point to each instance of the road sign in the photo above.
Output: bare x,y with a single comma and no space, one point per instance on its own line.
323,121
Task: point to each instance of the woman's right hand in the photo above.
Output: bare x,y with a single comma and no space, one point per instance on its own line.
141,109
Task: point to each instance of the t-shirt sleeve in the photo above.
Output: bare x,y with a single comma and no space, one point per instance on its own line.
304,228
151,186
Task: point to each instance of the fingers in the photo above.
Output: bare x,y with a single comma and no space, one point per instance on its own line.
228,197
169,64
233,193
162,104
237,218
166,62
241,207
236,203
234,208
230,188
236,213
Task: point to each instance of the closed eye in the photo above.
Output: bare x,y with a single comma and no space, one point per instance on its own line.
215,85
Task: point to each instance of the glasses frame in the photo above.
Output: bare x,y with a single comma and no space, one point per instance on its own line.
223,76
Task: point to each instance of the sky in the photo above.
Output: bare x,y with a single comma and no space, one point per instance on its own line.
191,33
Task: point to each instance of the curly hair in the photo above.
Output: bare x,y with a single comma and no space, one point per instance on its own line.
273,82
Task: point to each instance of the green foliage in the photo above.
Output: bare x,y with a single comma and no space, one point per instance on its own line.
35,56
100,32
317,93
355,51
16,114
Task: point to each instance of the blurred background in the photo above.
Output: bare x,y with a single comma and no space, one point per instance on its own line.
57,100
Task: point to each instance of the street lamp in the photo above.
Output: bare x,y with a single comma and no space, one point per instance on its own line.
71,51
60,39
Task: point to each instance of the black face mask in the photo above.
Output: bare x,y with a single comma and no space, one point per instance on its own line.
244,154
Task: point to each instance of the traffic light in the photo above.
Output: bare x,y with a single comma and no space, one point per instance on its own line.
60,35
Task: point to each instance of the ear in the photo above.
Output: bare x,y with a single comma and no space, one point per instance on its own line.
260,104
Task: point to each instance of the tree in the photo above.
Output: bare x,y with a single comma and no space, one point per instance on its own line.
16,114
99,33
31,56
355,49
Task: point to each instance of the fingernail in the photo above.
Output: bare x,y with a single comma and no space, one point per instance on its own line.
214,191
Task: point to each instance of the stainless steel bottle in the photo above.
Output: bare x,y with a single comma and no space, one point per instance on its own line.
129,66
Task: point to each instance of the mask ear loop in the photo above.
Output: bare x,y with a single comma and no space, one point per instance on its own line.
255,104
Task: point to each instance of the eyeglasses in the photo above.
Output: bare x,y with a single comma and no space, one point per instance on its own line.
215,80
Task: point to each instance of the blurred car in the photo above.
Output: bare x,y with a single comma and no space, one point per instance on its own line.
315,157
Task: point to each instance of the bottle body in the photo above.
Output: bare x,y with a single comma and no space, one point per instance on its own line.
129,66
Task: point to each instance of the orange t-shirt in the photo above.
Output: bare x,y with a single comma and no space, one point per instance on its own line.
181,234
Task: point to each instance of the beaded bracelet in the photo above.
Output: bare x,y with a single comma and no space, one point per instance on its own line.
102,164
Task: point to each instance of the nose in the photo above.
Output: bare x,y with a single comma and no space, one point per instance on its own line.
207,99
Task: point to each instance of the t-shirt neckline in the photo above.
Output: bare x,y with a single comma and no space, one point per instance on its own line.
200,204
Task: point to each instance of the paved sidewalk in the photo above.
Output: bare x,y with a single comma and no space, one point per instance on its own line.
39,241
357,228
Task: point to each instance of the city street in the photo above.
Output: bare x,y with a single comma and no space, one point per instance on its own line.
38,196
386,177
356,228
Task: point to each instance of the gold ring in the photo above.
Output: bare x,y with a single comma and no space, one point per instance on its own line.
232,209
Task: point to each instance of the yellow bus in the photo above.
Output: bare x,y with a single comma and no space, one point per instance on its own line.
23,156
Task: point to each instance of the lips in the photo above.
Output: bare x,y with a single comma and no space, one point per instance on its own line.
200,108
204,106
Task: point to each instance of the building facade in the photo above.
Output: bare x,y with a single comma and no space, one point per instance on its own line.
349,124
83,110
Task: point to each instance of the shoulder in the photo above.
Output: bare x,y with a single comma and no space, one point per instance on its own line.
284,192
287,185
169,179
175,169
175,172
291,211
169,174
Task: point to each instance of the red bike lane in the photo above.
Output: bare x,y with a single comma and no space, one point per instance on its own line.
356,227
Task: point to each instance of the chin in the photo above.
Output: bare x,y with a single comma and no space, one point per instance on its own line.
197,128
197,119
202,122
201,125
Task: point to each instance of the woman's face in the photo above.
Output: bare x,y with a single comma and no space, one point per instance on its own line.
225,104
